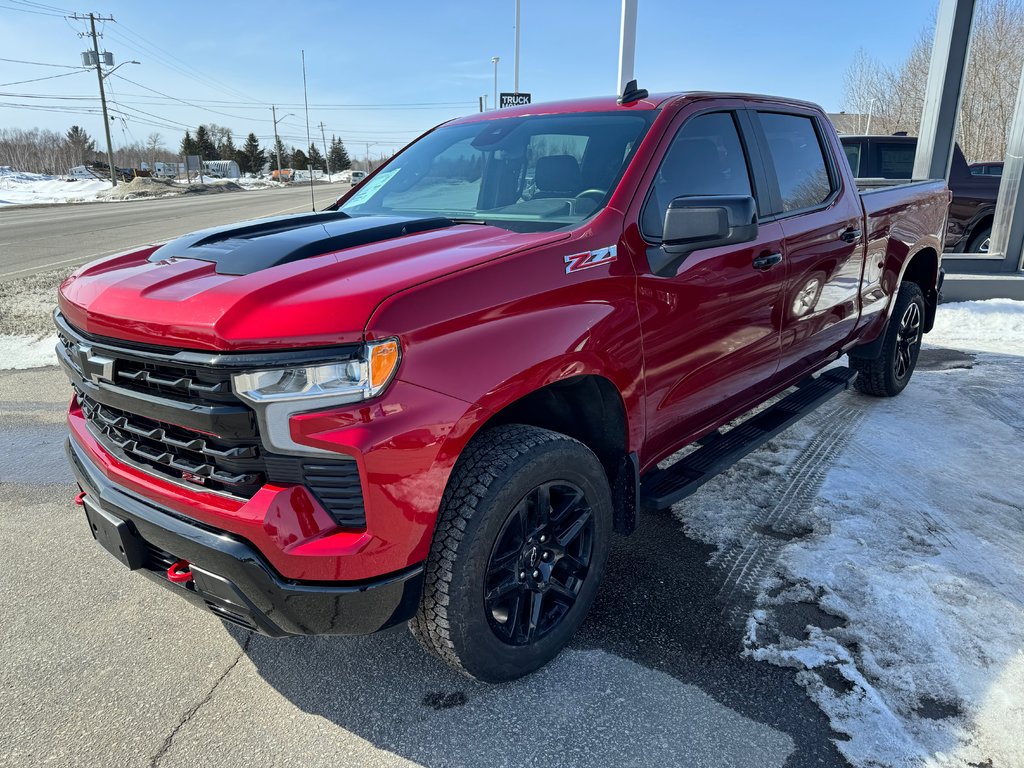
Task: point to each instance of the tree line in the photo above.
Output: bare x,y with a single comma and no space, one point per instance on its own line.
215,142
44,151
893,97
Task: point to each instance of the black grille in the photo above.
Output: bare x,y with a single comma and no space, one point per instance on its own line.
233,467
173,413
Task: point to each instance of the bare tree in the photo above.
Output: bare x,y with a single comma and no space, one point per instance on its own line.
894,96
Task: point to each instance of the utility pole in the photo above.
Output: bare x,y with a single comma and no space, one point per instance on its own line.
103,95
627,43
277,141
515,66
494,61
327,155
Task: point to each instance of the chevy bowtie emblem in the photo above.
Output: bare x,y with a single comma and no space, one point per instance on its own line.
94,367
578,261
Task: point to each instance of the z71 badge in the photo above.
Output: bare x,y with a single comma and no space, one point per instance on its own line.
588,259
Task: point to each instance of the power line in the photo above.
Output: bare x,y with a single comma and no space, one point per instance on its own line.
182,101
40,64
27,10
37,79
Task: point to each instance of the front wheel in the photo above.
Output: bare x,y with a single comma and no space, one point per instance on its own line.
520,547
889,373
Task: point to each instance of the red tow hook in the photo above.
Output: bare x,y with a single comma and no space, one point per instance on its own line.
80,498
179,573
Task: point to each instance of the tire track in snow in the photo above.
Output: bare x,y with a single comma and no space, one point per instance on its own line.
745,566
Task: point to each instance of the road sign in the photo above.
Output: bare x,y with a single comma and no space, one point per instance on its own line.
514,99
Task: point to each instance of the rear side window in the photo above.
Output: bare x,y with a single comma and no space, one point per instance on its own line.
799,161
896,159
853,157
706,158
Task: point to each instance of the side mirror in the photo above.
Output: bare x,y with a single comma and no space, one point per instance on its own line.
703,221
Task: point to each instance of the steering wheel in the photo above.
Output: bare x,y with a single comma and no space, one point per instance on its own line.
597,195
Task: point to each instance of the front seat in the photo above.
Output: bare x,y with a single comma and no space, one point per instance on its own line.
557,176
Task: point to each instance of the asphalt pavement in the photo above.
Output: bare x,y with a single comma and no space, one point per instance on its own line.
102,667
38,238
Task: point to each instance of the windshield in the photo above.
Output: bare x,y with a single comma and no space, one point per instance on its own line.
534,173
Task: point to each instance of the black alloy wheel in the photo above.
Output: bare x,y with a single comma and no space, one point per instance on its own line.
539,562
908,338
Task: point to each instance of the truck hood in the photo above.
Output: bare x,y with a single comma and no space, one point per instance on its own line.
291,281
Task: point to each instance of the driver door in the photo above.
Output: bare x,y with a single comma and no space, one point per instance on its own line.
711,331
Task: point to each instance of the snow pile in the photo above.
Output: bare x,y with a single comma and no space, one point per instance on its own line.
20,352
21,188
995,325
140,186
881,547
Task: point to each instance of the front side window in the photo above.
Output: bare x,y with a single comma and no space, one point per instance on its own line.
798,159
852,152
533,173
706,158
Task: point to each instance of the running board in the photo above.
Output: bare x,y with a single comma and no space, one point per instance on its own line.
661,488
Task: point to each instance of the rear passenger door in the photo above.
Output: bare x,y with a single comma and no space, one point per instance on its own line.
821,219
711,330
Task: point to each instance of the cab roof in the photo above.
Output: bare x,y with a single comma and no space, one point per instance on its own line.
610,104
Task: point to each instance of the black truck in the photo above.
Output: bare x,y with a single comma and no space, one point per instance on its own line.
969,228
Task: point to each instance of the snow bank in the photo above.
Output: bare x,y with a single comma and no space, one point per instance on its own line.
21,188
995,325
17,352
878,549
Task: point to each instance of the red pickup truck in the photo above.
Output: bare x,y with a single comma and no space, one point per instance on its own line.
436,402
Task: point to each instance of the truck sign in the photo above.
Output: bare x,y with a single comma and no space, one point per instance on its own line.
513,99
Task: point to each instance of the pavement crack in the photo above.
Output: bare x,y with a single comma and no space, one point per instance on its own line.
154,761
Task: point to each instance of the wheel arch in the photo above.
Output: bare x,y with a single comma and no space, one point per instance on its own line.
587,407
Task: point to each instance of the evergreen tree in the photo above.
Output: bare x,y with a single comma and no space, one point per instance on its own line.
251,157
226,147
205,147
338,155
82,145
188,145
299,160
286,159
316,160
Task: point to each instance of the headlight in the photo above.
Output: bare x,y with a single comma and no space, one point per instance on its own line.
277,394
343,382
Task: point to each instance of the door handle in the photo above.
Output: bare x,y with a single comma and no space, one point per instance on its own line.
850,235
767,261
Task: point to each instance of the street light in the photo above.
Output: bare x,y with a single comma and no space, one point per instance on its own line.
112,71
494,61
277,141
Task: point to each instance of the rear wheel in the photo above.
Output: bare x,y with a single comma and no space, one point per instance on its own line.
981,241
520,547
889,373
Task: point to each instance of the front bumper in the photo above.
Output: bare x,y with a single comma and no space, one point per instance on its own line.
231,578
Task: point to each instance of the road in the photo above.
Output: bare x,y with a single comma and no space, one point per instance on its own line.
39,238
103,667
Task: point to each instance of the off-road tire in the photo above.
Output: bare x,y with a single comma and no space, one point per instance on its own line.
496,471
881,377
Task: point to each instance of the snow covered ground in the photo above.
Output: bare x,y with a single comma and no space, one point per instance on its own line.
880,546
21,188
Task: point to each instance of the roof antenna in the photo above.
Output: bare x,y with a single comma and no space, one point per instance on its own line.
305,96
631,93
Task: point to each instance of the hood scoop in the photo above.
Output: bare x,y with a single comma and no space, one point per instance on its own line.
242,249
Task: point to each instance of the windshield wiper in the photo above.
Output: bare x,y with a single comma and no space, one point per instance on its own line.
465,221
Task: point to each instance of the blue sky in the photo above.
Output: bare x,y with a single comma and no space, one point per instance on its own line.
419,63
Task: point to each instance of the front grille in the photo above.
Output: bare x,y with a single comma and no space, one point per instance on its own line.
232,467
174,414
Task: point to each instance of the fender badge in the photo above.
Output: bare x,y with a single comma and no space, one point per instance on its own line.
580,261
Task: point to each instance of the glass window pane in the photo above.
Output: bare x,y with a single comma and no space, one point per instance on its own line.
798,160
706,158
